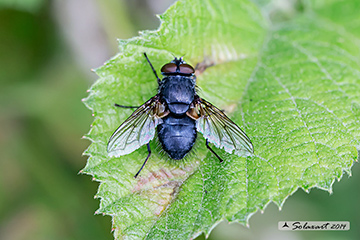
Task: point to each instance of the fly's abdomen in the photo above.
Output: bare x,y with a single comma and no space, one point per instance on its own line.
177,135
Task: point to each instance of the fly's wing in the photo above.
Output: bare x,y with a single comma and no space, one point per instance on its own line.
137,130
218,129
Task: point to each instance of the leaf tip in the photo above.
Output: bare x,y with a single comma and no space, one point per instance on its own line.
160,17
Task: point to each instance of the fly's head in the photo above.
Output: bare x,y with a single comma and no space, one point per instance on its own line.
177,67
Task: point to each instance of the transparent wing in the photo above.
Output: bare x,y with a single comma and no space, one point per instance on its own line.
221,131
137,130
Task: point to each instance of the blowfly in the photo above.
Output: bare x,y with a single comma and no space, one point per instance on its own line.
177,113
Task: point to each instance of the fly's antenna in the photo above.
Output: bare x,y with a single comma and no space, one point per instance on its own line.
158,79
182,57
175,58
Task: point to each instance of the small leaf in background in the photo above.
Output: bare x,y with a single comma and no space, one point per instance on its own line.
291,85
24,5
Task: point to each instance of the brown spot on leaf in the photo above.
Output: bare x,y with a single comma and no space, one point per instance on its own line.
161,187
159,178
202,66
220,53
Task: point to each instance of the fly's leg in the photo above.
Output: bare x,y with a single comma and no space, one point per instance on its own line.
158,79
207,145
147,158
122,106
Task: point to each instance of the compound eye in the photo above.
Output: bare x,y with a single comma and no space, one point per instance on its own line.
169,68
186,68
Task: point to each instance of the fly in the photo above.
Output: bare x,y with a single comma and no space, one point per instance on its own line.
177,113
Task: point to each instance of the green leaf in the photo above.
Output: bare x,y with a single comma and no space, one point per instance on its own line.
293,86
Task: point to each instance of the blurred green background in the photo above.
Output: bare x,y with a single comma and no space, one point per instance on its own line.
47,49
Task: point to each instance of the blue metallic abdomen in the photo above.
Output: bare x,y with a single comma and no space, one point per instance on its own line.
177,135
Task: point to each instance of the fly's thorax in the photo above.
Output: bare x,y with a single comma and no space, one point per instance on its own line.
178,92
